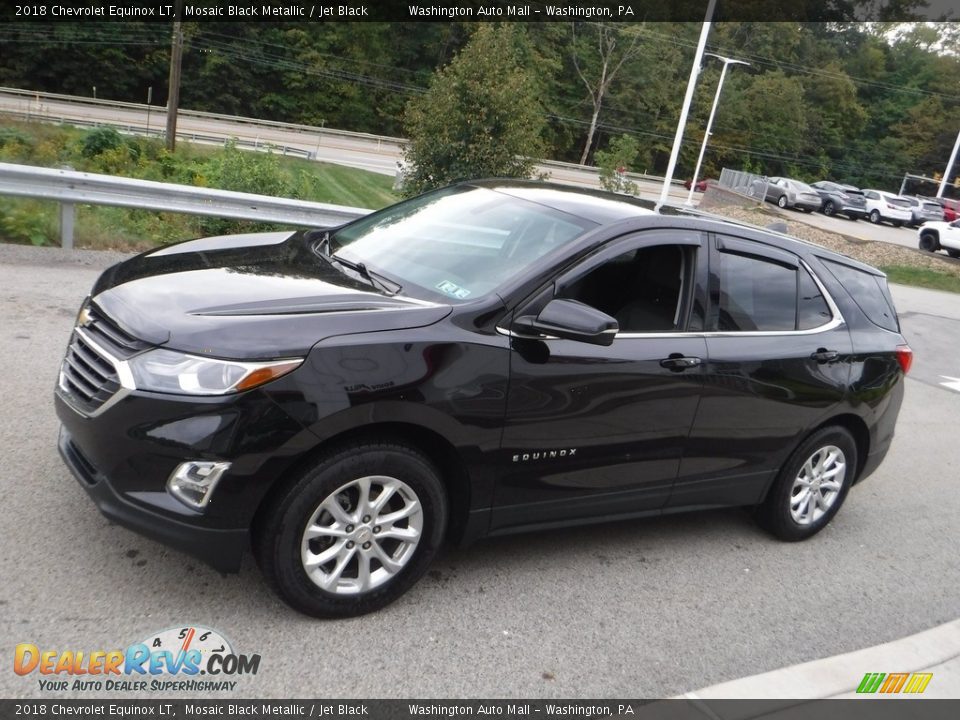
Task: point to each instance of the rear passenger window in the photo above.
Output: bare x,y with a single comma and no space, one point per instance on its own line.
812,308
756,294
869,291
762,295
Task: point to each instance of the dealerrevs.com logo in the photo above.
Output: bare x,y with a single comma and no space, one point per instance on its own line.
188,659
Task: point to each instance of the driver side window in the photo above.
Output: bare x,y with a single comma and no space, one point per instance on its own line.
641,288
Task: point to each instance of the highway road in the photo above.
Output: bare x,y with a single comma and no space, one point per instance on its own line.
367,153
644,608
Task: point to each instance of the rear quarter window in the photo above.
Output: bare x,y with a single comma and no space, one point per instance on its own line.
869,292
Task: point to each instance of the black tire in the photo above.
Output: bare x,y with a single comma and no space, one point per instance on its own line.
897,223
953,253
279,531
829,208
775,513
929,242
782,201
875,217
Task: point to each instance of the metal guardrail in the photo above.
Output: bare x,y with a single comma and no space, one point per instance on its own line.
69,187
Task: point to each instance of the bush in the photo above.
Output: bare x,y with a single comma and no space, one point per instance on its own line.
96,142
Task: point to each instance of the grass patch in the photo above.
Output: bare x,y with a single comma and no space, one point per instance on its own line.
922,277
104,151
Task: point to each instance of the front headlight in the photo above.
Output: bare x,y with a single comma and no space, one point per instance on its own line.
174,372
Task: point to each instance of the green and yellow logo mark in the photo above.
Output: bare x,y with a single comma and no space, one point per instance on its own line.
914,683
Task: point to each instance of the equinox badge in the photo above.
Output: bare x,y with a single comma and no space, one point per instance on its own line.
544,455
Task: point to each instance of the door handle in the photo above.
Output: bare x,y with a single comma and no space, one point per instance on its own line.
823,355
678,363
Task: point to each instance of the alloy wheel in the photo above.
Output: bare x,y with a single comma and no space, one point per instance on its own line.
818,485
362,535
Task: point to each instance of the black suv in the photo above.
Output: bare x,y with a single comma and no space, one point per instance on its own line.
484,359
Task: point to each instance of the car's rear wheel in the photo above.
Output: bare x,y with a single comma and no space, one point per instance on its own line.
929,242
829,208
811,486
874,217
953,253
782,201
355,531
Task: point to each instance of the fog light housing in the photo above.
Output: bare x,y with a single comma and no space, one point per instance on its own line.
192,483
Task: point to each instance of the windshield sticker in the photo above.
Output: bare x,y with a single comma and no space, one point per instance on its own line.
452,289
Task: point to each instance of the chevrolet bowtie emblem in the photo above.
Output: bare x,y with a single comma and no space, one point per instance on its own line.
84,318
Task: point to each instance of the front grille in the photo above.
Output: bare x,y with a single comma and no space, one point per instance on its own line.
88,376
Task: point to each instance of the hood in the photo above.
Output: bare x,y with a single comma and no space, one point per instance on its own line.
248,296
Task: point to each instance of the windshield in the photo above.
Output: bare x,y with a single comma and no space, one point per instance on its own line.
459,242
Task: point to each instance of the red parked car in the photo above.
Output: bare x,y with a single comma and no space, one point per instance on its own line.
701,184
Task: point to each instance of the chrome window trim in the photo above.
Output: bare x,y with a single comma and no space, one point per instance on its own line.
835,321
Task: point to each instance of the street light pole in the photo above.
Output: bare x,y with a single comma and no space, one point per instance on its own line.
946,173
691,84
713,110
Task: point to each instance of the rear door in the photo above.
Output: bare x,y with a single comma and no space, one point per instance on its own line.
778,361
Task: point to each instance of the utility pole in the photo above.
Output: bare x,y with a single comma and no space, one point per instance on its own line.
688,98
173,97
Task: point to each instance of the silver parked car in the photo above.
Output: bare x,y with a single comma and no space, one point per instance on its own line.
923,210
787,192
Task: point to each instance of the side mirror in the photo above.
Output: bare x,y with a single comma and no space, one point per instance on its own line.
571,320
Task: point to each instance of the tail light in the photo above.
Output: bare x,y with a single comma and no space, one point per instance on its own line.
904,357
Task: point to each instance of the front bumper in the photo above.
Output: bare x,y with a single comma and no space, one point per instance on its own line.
124,457
222,549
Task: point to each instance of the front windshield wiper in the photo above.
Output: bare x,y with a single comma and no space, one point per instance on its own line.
322,248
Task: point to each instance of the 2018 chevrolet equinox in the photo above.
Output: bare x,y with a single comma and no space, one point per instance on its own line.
492,357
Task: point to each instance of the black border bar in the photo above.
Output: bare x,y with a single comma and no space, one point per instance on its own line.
74,11
687,709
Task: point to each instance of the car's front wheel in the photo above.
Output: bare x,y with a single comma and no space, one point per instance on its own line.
875,217
355,531
929,242
811,486
782,201
829,208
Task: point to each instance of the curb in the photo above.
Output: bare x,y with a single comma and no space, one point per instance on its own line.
841,674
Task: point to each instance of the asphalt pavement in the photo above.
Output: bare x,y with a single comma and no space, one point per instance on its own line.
646,608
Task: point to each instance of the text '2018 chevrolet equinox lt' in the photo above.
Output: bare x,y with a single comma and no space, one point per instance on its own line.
492,357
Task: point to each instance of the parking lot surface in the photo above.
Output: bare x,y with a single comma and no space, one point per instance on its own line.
644,608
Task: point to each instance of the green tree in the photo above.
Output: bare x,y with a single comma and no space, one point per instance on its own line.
614,162
480,117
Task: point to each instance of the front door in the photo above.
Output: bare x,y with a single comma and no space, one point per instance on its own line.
593,430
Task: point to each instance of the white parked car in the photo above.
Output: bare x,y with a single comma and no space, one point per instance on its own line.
883,206
941,236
